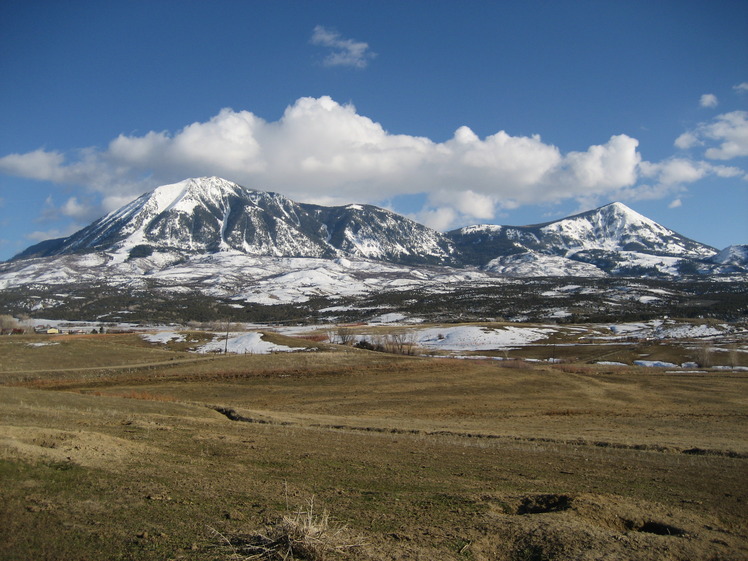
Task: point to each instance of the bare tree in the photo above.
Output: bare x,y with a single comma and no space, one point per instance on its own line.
705,354
733,354
8,322
345,335
399,342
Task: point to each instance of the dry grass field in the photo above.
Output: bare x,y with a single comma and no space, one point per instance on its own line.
115,448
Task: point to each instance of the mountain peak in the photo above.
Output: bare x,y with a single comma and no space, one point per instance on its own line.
189,191
619,206
616,227
618,210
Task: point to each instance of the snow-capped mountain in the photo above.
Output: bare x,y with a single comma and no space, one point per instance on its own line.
612,239
734,257
210,214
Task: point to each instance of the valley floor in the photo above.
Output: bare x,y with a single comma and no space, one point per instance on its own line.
120,447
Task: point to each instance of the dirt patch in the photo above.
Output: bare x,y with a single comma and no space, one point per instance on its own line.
80,447
564,528
657,528
537,504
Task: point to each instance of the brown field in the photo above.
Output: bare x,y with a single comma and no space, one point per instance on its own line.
113,448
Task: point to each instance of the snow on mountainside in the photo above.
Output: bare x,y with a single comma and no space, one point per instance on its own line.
234,275
375,233
530,264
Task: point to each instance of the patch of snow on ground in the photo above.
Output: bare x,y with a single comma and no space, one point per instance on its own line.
562,290
468,337
654,364
243,343
687,331
337,309
389,318
629,328
298,330
668,329
611,363
163,337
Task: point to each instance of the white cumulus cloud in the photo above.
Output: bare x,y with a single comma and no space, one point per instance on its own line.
75,208
731,132
442,218
725,137
676,171
708,100
39,164
466,202
687,140
680,171
343,52
607,166
326,152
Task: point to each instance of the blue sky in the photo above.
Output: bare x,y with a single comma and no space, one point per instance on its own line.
452,113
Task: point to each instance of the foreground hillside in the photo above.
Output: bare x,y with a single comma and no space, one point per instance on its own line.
125,447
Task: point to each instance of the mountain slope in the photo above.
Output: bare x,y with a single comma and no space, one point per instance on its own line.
375,233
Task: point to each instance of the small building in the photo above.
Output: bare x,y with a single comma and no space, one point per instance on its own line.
53,331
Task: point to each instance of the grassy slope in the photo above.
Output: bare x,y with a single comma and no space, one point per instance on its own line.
91,473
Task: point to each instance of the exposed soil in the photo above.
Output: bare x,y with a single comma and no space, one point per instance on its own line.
80,447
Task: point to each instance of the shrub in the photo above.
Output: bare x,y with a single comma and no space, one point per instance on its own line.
303,534
366,345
